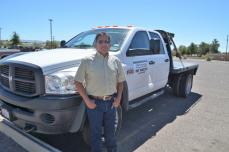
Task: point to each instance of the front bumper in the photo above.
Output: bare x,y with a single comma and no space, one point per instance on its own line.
47,114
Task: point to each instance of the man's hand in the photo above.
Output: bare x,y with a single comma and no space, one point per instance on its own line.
116,102
90,104
117,99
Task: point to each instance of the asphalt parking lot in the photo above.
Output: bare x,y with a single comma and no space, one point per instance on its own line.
168,123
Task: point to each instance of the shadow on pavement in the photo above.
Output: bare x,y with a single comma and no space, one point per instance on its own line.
144,122
65,142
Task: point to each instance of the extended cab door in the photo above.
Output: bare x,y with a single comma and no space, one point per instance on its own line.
138,56
160,60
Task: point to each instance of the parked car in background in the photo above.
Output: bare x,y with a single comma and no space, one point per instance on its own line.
5,52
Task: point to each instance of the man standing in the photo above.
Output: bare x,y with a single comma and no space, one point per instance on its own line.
103,76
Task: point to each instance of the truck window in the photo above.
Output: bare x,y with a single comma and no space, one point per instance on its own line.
86,39
156,36
140,44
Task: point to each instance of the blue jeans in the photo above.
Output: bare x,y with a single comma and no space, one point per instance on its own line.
103,115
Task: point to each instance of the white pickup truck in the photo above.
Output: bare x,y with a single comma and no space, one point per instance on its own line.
37,91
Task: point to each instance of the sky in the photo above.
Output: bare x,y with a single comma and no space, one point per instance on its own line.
192,21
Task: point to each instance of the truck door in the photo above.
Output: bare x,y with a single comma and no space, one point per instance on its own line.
160,61
138,55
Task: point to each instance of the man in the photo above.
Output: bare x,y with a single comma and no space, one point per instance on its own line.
103,75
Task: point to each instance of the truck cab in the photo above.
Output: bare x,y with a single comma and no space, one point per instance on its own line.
150,66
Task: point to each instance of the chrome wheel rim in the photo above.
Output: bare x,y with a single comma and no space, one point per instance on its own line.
189,85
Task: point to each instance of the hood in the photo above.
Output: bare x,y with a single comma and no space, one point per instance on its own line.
53,59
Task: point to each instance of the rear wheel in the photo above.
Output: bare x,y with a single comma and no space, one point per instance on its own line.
186,85
183,85
118,123
176,84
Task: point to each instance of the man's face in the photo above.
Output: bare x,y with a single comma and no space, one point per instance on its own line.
103,44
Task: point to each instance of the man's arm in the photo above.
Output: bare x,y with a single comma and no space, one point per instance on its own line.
120,80
79,79
82,92
117,101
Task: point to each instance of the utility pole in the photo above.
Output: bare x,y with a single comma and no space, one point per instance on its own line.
50,20
226,45
0,37
53,41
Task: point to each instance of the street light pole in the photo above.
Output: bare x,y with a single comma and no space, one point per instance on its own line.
0,37
50,20
227,45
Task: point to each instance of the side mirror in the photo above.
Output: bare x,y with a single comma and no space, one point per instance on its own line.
62,44
155,46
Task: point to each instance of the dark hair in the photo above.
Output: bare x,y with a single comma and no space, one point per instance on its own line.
102,34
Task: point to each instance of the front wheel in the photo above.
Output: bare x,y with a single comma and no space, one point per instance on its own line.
118,123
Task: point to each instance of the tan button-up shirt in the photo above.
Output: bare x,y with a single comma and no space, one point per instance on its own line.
101,74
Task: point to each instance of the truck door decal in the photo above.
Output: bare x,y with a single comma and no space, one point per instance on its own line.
140,66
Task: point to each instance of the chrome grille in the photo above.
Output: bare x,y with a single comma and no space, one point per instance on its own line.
20,79
25,87
24,74
5,75
5,81
5,69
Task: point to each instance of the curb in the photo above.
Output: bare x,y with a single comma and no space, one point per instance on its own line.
27,141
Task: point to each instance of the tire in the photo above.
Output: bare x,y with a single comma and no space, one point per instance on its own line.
186,85
176,84
183,85
118,124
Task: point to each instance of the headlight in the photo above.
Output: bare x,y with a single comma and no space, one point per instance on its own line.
61,82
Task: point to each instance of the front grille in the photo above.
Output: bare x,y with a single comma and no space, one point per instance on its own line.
5,81
25,87
5,75
5,70
24,74
20,79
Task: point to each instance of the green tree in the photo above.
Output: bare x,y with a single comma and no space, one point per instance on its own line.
192,49
5,44
214,46
36,45
203,48
182,49
48,45
15,40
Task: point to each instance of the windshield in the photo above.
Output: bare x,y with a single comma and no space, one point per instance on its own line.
86,39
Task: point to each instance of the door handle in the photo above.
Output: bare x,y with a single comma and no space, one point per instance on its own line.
151,62
166,60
